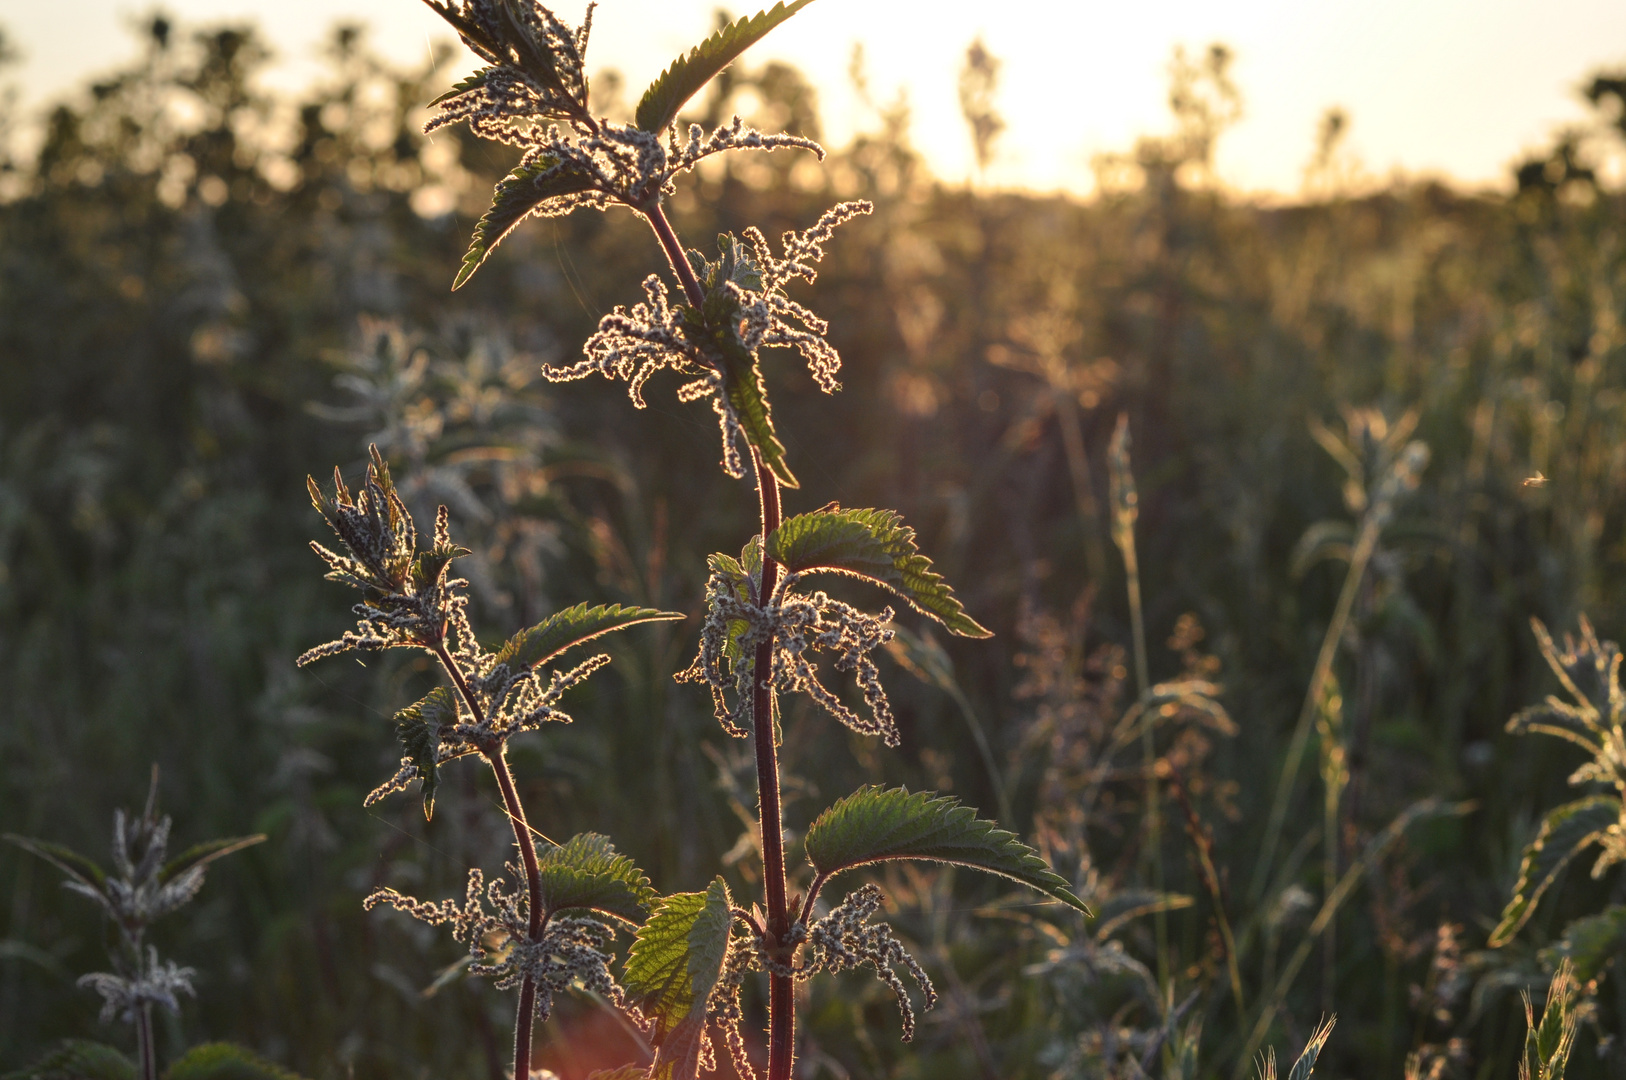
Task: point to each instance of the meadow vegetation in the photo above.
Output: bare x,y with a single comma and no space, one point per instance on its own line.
1259,502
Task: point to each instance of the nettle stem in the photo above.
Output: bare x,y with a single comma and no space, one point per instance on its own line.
770,817
144,1047
656,216
496,755
781,988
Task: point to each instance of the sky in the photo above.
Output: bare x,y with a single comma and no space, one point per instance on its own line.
1445,88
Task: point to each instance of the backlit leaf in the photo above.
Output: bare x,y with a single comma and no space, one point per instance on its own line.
570,627
674,963
586,872
418,727
874,545
65,859
464,85
687,75
876,824
528,189
205,853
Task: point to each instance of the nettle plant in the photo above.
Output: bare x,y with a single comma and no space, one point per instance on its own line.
145,884
1593,718
549,922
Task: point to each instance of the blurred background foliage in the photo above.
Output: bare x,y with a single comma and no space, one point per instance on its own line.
207,292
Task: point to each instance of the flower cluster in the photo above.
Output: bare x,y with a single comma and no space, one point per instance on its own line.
843,940
155,982
144,885
745,310
798,624
568,951
138,891
410,601
511,701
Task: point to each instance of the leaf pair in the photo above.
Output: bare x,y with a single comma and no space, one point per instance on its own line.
423,725
549,186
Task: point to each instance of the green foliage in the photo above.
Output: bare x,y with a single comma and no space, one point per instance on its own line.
543,187
200,855
874,545
78,1059
78,867
472,81
876,824
418,727
1591,943
573,626
675,961
688,74
713,329
1565,832
224,1061
587,872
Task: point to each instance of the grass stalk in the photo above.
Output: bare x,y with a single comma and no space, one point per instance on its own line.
1365,544
1125,511
1271,1004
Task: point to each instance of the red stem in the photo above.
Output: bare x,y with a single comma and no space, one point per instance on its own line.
144,1047
496,756
781,988
674,255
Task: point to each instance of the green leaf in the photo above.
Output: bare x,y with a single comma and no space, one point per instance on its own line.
1564,832
876,824
78,1059
586,872
418,726
225,1061
742,384
1592,942
65,859
671,969
429,567
874,545
467,83
205,853
740,579
687,75
526,190
570,627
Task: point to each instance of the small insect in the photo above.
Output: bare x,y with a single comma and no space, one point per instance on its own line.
1537,480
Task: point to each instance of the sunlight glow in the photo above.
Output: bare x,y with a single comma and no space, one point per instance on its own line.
1443,88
